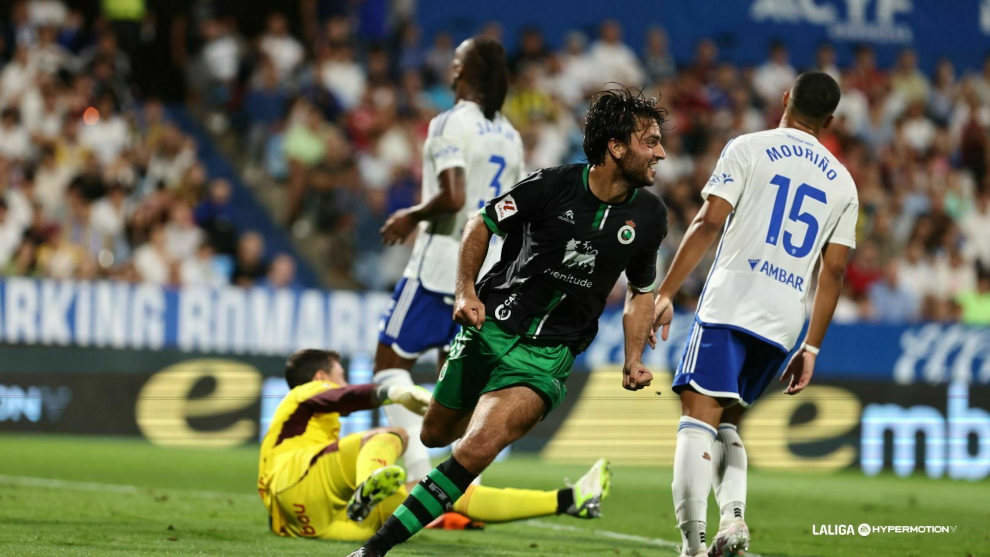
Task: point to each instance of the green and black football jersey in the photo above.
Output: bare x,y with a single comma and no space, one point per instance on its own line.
564,250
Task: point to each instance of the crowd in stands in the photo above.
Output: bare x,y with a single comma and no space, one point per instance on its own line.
96,183
333,108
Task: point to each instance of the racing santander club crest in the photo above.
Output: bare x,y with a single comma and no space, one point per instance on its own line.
627,233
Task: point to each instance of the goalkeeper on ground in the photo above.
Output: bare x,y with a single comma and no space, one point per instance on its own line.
316,484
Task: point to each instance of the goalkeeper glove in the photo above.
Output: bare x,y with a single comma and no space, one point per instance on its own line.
415,398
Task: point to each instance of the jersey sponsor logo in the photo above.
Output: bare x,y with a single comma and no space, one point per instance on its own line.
781,275
580,256
504,310
627,233
505,208
567,216
753,263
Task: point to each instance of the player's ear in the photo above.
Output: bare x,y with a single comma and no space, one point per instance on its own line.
616,148
787,96
828,121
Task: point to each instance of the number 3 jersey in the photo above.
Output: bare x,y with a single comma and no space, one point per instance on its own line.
491,154
790,197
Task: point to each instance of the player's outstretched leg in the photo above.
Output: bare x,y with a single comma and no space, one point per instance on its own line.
376,473
581,500
729,481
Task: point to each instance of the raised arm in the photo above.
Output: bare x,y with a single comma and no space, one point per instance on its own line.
802,365
447,201
700,235
353,398
468,309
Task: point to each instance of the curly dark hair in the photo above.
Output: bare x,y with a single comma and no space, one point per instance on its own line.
486,71
615,114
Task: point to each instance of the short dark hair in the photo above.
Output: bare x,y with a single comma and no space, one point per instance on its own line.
615,114
303,365
815,95
485,70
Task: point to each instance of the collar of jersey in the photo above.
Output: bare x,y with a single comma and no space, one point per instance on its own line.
584,180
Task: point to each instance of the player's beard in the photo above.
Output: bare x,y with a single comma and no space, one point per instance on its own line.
636,173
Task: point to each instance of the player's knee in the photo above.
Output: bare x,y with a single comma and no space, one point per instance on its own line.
434,436
400,432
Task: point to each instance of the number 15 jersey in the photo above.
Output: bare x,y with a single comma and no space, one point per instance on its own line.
790,197
491,154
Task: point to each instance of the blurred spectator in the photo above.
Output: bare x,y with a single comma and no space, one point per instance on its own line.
944,92
438,57
105,132
249,264
215,215
612,59
953,275
532,49
201,269
281,273
774,76
182,236
907,81
825,61
10,234
15,143
975,226
341,74
281,48
975,303
864,269
657,59
891,301
221,60
264,106
152,260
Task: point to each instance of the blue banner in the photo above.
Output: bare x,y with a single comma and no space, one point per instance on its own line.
933,353
958,30
262,321
226,320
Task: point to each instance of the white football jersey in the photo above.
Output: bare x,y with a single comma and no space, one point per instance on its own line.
491,154
790,196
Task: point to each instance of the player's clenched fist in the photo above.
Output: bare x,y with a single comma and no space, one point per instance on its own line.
635,376
469,311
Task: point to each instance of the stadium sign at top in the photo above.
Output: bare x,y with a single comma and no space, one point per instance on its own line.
743,30
857,24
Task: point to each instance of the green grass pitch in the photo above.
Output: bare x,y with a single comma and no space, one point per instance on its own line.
97,496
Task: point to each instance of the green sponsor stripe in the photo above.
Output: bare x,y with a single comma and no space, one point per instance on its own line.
584,175
408,519
428,501
491,224
598,216
446,485
535,323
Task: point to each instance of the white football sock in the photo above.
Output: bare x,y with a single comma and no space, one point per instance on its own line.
729,479
692,481
417,456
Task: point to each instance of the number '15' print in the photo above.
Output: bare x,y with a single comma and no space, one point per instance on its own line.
803,193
